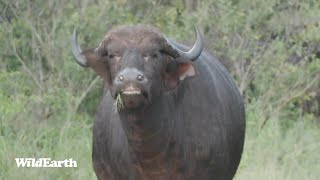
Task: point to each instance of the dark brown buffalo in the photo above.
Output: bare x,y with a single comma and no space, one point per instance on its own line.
180,119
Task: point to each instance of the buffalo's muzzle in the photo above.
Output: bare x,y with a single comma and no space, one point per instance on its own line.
130,75
131,91
131,85
133,97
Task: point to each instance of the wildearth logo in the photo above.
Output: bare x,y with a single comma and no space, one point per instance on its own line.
45,162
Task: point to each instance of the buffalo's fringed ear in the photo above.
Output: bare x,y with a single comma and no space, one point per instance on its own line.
176,72
89,57
97,63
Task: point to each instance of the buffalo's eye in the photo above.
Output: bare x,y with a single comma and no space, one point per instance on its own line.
103,52
154,55
110,56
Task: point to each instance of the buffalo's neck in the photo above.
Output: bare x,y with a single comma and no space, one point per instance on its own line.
147,134
152,146
147,137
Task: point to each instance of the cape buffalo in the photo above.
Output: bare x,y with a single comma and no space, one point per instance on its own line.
167,113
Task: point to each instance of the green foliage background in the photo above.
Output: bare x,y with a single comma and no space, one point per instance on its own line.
47,101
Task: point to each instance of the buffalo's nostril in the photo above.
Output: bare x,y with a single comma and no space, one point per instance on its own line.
120,77
140,77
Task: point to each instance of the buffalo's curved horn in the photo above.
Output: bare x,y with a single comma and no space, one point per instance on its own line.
195,51
77,52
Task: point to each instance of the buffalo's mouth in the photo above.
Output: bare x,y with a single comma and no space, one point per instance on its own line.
132,97
131,91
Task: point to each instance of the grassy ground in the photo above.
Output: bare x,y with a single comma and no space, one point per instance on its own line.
269,153
47,101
